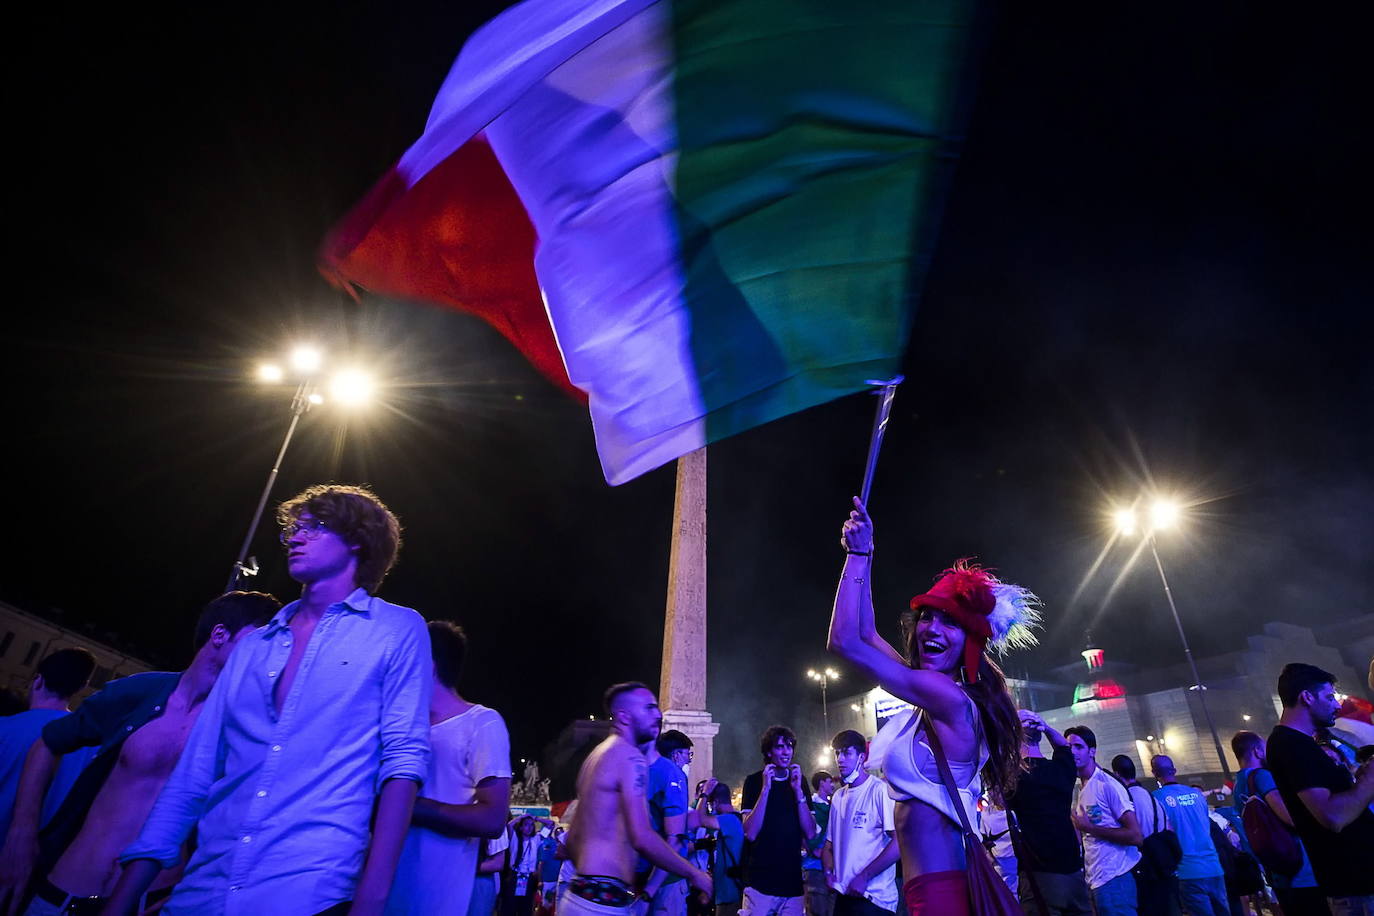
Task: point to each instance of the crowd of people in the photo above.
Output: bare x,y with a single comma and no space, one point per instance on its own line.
318,758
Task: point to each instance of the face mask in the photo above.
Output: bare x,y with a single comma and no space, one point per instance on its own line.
854,776
687,770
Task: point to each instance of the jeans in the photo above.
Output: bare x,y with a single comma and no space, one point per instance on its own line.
1065,895
759,904
1351,906
483,900
1116,897
1204,896
671,900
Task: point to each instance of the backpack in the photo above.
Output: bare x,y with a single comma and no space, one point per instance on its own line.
1242,872
1271,839
1161,852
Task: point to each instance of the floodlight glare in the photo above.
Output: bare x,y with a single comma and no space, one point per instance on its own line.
1164,514
813,675
315,398
832,674
1125,521
351,387
306,359
269,372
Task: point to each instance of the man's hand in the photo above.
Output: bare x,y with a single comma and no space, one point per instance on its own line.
794,779
1030,719
709,787
770,772
701,883
857,533
17,860
1080,821
856,886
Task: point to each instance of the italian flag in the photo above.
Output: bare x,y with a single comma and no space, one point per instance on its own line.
702,215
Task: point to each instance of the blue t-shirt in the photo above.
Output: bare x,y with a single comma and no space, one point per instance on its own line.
729,848
667,798
1264,784
548,865
1186,809
17,735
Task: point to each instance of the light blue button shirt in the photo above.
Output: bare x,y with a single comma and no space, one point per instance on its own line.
284,801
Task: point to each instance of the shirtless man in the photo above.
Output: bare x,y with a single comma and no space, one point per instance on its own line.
140,724
612,820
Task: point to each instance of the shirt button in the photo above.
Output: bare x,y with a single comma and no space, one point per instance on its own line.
247,839
276,747
271,674
157,709
235,888
262,794
128,728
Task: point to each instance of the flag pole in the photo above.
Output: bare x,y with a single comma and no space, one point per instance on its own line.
886,391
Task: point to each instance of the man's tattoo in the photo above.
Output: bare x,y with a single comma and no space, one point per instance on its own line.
640,781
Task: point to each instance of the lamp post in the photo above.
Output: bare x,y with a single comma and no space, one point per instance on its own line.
824,677
1164,514
347,387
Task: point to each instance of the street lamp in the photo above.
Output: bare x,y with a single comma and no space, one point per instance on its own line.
824,677
349,387
1165,513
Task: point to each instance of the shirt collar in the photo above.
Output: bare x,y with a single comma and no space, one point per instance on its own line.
358,601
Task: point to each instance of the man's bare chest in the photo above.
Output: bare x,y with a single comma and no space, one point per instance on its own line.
152,751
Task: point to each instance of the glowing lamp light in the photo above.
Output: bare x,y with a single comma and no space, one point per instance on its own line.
351,387
813,674
1164,514
832,674
856,707
1125,521
315,398
822,759
1245,716
1149,737
306,359
270,373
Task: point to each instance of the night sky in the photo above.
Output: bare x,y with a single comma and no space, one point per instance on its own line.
1152,272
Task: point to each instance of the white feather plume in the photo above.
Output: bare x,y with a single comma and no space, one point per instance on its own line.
1014,615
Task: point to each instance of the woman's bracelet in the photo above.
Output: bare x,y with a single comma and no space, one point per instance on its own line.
859,553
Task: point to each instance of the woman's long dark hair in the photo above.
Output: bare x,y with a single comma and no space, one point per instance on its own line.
1001,723
1001,727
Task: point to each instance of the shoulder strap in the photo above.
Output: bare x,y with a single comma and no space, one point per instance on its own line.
1250,781
1157,810
947,777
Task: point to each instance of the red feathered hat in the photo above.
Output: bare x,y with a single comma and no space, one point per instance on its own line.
964,592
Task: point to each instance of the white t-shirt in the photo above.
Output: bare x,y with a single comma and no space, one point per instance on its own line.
1102,800
1149,814
861,824
435,873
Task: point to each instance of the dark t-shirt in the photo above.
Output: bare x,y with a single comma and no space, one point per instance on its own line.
1339,860
1041,804
772,865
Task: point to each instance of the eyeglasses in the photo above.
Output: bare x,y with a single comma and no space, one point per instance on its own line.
311,528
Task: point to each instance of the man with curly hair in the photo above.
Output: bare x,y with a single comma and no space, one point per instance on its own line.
318,726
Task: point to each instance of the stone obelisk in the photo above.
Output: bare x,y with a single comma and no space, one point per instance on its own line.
682,690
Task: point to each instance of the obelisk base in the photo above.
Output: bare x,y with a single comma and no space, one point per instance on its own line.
697,725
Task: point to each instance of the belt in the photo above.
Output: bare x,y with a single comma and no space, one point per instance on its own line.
48,892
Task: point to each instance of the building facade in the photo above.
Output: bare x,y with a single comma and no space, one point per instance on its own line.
26,639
